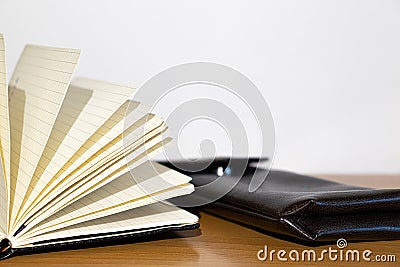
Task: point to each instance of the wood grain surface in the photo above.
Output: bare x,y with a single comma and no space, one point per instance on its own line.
217,243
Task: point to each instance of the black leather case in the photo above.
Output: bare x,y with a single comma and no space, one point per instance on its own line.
303,208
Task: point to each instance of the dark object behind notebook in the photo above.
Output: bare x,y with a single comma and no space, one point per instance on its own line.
304,207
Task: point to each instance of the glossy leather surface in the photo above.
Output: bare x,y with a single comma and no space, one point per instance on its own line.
302,207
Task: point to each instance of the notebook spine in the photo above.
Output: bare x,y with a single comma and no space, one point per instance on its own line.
6,249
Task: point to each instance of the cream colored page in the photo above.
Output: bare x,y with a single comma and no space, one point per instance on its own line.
36,90
138,153
120,168
3,203
88,186
155,215
4,138
115,149
88,238
110,129
106,171
101,137
118,149
88,104
106,157
133,204
4,142
143,185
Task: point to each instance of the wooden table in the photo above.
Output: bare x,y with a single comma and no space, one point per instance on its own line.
220,243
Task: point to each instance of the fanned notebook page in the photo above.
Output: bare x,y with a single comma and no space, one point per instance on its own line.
57,194
157,215
75,158
87,106
4,141
100,137
153,183
37,89
85,187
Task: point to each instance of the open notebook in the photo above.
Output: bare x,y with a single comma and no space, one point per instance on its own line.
75,159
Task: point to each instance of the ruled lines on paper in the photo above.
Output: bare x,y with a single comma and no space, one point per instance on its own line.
139,154
154,215
87,105
89,152
37,89
4,141
155,183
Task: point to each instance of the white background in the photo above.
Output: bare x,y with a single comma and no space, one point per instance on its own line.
330,70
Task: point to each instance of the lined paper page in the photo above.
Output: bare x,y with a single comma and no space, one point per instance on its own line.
129,205
111,128
155,215
147,184
80,161
102,136
4,140
89,185
37,89
88,104
106,155
121,146
107,171
3,202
